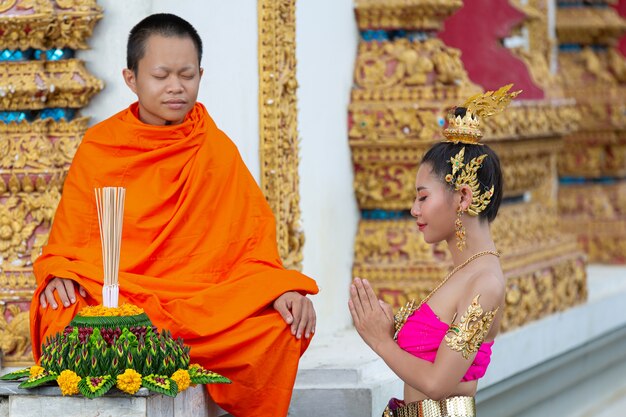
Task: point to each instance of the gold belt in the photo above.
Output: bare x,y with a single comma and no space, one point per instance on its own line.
450,407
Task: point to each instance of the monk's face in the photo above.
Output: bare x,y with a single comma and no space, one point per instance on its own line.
167,79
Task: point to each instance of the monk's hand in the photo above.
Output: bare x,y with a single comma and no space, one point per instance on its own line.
65,289
373,318
298,312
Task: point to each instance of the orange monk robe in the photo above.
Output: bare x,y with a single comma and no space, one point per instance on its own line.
198,252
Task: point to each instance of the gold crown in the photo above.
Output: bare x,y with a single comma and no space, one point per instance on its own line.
466,129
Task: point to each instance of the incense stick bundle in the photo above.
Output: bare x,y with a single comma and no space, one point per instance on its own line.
110,205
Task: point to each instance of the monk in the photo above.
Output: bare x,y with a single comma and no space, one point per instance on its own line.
199,243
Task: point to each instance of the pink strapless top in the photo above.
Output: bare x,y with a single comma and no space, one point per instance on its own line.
422,334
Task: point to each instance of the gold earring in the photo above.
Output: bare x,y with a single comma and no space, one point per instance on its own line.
460,230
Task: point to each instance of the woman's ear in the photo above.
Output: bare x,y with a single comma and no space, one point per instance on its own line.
466,197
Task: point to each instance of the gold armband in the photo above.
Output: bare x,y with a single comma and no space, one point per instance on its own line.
469,334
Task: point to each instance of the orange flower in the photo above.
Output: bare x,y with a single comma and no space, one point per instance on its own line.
102,311
129,381
35,370
68,382
182,379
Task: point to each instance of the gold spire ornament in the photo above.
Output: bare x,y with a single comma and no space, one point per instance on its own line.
466,129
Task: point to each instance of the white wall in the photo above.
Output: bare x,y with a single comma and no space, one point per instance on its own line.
326,50
229,88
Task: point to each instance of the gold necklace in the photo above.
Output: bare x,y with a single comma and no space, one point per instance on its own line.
405,312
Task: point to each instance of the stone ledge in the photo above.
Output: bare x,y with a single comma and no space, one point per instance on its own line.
47,401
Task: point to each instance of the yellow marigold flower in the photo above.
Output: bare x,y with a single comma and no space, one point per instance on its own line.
102,311
182,379
68,382
35,370
129,381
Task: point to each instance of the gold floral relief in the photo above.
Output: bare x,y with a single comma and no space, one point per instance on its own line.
279,147
44,24
589,25
35,85
404,63
404,14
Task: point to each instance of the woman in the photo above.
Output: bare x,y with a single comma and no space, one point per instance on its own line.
441,346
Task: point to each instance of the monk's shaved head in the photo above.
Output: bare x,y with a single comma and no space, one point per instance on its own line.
163,24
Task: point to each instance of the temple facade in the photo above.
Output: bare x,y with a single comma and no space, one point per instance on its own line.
332,104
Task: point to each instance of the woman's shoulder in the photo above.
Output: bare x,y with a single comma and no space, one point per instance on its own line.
485,286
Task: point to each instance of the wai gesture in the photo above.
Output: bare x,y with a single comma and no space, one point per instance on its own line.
372,317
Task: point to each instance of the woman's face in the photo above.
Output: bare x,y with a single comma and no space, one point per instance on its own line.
435,206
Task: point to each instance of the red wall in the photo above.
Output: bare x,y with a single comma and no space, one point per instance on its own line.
477,29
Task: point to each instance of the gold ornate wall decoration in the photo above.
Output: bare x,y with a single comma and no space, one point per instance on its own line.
35,153
589,25
43,24
597,212
403,88
405,14
278,129
593,163
33,85
31,176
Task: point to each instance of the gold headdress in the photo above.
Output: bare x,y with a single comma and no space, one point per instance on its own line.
465,129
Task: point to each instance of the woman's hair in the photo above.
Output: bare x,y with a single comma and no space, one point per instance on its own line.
489,174
164,24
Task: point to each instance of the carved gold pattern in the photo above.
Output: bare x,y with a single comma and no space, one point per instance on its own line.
589,25
44,24
598,213
596,79
384,174
34,163
404,14
389,67
38,84
278,124
402,90
15,333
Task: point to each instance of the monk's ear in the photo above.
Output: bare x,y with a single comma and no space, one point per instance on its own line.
201,71
130,78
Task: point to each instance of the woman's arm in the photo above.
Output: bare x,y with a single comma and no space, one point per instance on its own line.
373,320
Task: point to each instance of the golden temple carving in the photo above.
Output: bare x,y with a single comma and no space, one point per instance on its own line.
36,85
588,25
594,74
402,91
279,147
43,24
35,155
404,14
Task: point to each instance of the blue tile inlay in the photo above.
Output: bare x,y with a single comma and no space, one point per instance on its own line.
379,35
57,114
14,116
55,54
378,214
583,180
15,55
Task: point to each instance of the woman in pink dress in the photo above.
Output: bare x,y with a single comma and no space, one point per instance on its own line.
441,346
